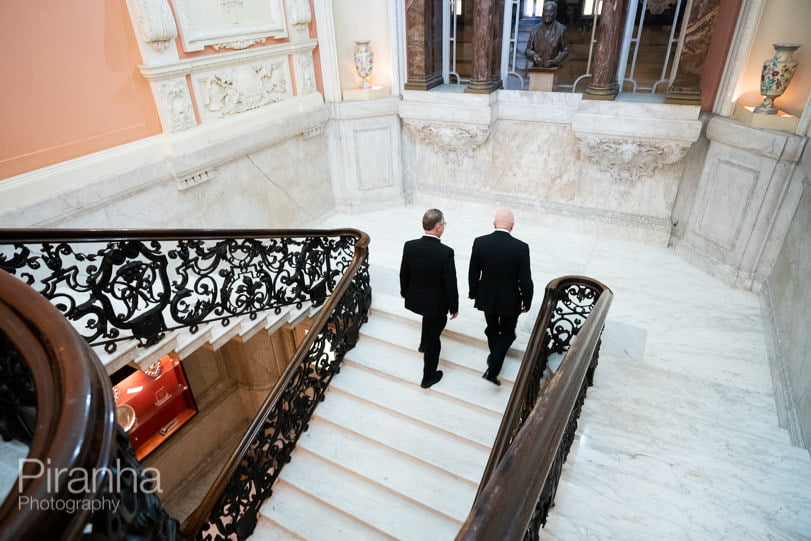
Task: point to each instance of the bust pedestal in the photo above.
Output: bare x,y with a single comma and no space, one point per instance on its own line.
543,79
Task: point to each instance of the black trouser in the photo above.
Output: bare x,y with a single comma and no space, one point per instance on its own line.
500,333
431,329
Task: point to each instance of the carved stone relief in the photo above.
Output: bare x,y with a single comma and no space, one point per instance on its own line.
155,23
177,112
627,159
233,24
299,17
245,87
305,73
452,141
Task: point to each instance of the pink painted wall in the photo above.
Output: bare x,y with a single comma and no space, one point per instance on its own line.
71,82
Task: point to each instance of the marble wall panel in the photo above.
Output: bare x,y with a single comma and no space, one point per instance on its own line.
365,154
746,194
540,165
787,304
269,175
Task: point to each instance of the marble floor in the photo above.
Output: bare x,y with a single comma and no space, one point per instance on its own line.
679,436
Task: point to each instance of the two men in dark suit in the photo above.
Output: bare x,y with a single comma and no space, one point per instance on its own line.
428,284
501,284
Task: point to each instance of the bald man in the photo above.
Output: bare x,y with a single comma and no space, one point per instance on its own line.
501,285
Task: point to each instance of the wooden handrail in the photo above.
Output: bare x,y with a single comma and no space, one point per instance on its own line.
519,466
199,516
74,419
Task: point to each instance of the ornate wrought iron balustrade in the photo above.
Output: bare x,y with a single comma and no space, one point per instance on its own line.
521,477
231,508
137,285
119,285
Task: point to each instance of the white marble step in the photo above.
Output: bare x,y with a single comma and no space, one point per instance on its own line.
463,385
468,324
297,515
181,342
364,500
426,405
267,530
438,489
442,449
465,351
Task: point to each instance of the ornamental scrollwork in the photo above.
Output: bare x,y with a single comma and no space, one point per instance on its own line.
452,141
139,289
299,15
305,73
18,398
236,513
155,23
244,88
628,160
128,503
176,105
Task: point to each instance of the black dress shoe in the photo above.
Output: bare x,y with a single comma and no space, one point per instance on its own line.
491,379
435,379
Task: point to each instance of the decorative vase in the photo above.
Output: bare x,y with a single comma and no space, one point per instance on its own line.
364,62
776,76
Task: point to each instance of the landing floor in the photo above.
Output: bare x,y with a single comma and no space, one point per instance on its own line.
679,436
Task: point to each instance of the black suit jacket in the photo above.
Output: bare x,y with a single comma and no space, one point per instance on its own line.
428,277
499,276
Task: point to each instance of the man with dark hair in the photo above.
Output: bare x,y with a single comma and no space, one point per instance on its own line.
501,284
428,285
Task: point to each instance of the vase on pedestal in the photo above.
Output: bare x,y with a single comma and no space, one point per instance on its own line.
364,62
776,76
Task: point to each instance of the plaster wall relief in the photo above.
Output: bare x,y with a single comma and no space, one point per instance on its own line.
229,24
745,199
243,88
571,160
305,73
451,142
628,160
299,18
174,105
154,23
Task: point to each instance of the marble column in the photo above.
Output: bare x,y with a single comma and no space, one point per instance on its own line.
686,86
604,85
488,19
423,44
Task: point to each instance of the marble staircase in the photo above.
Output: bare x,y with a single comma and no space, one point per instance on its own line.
678,438
384,458
182,342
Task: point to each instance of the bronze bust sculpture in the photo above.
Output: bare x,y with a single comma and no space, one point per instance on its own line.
547,45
